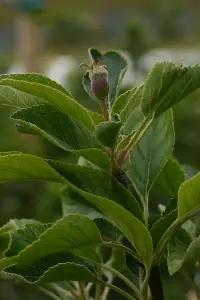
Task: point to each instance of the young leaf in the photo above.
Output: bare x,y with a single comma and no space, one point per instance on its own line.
170,178
151,154
167,84
52,96
62,131
132,104
61,128
26,167
97,182
121,101
107,133
66,131
116,66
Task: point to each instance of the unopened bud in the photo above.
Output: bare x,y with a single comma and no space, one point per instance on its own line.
99,79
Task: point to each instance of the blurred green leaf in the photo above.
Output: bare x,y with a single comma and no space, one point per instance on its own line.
188,206
38,78
163,223
26,167
188,197
118,260
176,250
15,224
170,178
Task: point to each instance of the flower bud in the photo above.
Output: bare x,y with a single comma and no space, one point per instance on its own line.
99,79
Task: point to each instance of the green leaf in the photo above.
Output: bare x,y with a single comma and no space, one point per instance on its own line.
73,233
188,206
62,131
122,101
26,167
151,154
68,271
159,227
73,202
38,78
170,178
17,99
97,182
12,226
189,197
23,237
107,133
133,229
167,84
118,260
116,66
132,104
108,231
171,205
177,253
49,95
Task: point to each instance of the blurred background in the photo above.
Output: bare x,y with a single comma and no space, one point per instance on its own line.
52,37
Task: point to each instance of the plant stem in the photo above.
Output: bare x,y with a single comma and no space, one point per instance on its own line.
120,291
82,291
146,209
113,161
58,290
120,276
144,287
125,249
106,290
144,125
49,293
98,286
104,109
71,289
161,244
